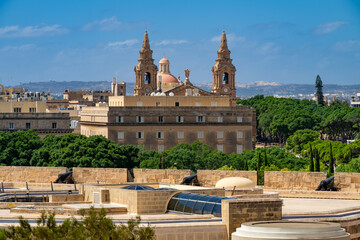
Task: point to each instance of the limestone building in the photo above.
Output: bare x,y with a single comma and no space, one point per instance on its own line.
165,112
42,123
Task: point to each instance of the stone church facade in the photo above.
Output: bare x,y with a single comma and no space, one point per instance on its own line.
165,111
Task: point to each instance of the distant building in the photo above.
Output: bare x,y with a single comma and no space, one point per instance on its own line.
355,102
22,110
22,95
22,107
42,123
165,112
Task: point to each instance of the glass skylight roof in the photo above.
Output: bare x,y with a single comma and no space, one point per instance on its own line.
196,204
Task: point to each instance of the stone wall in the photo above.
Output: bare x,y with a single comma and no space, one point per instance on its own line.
347,182
137,202
198,231
285,180
30,174
153,202
208,178
237,211
160,175
66,198
100,175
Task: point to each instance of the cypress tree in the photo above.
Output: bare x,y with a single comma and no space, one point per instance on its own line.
319,91
311,159
317,160
259,161
265,159
331,162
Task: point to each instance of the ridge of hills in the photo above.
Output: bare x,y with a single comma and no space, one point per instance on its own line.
244,90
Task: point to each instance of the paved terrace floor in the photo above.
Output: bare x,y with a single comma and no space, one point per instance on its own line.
291,207
308,206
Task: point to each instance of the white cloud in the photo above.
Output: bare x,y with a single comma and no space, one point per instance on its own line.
267,48
230,37
31,31
171,42
348,46
24,47
127,43
110,24
329,27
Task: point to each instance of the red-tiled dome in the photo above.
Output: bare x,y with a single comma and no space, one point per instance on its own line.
168,78
164,60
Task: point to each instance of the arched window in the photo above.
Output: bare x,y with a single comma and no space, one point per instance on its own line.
225,78
147,78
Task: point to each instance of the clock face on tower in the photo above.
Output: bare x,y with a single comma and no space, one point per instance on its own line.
226,90
147,89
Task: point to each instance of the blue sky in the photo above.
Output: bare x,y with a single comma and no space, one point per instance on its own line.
277,41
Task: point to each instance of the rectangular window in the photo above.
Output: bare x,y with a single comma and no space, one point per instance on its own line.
160,135
239,148
139,119
27,125
220,147
17,110
220,134
54,125
119,119
239,134
161,119
200,134
11,125
120,135
220,119
160,148
180,135
213,104
197,104
200,118
157,104
239,119
32,110
140,135
177,104
139,104
179,119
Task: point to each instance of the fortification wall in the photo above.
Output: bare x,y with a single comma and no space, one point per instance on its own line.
30,174
347,182
100,175
287,180
160,175
208,178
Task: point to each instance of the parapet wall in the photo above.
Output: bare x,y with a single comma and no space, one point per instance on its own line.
237,211
285,180
347,182
208,178
160,175
30,174
100,175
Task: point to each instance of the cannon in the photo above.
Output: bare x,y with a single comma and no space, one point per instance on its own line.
65,178
327,185
191,180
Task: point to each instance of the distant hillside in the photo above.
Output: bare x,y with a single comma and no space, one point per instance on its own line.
244,90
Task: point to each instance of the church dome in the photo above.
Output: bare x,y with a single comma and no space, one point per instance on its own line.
168,78
164,60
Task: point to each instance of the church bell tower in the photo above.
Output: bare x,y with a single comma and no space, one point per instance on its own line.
224,71
145,70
